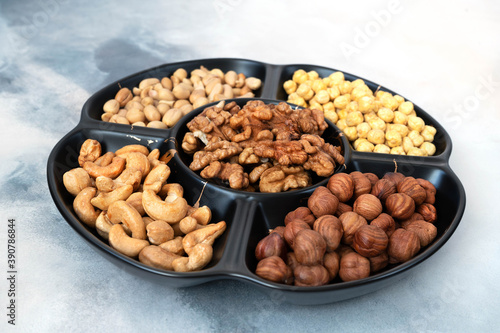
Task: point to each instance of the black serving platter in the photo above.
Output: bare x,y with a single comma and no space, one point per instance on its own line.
249,216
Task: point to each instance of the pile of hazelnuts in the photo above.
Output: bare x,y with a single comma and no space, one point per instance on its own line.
356,225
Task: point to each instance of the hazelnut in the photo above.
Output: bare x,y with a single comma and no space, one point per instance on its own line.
351,222
291,230
425,231
330,228
368,206
322,202
353,266
394,177
310,276
410,186
403,245
291,260
413,217
342,186
379,262
400,206
362,184
331,261
271,245
309,247
343,249
428,212
383,188
280,230
370,241
430,190
274,269
301,213
385,222
373,178
342,208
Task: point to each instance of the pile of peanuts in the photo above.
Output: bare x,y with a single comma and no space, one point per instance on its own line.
160,103
124,195
372,121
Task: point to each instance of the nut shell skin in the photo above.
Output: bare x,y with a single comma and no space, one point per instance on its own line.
331,229
394,177
271,245
342,186
331,261
351,222
400,206
292,229
311,276
368,206
383,188
373,178
301,213
430,190
274,269
425,231
428,212
353,266
410,186
403,245
379,262
385,222
309,247
362,184
342,208
370,241
322,202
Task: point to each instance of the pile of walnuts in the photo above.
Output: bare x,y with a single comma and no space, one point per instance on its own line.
354,226
260,147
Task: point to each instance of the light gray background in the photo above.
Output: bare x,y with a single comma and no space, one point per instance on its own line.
55,54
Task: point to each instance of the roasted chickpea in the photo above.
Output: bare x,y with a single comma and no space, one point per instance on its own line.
393,139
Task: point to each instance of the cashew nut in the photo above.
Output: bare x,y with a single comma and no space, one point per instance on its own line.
171,211
147,220
159,232
111,170
125,150
122,212
105,159
75,180
200,256
84,209
203,215
138,161
156,178
206,235
154,157
173,190
188,224
135,200
157,257
125,244
103,225
174,246
129,176
104,199
104,184
90,151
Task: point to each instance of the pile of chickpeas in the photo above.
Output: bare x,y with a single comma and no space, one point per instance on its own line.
372,121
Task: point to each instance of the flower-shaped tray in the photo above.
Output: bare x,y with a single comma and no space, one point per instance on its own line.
249,216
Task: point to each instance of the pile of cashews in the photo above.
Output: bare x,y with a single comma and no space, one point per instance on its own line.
125,196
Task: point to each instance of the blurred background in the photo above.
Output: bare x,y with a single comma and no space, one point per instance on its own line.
443,56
